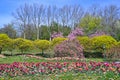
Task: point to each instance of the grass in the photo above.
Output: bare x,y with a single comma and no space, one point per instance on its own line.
21,58
66,76
11,59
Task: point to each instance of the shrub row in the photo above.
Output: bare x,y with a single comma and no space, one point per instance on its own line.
98,44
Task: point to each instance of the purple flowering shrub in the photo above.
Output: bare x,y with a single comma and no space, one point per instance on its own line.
56,34
97,33
75,33
69,48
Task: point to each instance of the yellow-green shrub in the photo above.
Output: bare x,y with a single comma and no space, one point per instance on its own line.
10,45
84,41
42,44
23,44
3,41
57,40
102,42
113,52
118,43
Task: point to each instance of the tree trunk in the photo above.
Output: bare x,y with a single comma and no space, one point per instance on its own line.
37,33
42,52
24,35
50,37
11,53
0,50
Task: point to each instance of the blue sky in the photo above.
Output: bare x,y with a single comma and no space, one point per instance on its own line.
9,6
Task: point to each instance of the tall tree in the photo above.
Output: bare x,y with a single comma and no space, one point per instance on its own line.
9,30
49,19
90,24
110,15
77,14
22,17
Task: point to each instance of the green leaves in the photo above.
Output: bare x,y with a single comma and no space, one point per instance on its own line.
90,23
57,40
99,42
23,44
42,44
3,41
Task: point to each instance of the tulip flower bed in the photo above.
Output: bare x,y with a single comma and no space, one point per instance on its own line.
47,68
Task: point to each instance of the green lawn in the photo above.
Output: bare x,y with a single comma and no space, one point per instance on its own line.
21,58
66,76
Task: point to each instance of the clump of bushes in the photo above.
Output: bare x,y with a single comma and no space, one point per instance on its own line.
69,48
95,46
75,45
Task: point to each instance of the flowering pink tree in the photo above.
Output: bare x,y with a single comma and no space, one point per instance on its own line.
97,33
75,33
69,48
56,34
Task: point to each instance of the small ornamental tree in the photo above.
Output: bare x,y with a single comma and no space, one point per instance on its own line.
3,41
42,44
75,33
10,45
69,48
23,44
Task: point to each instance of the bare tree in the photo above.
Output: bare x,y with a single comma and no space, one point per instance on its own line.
94,10
77,14
22,17
49,19
38,12
9,30
110,16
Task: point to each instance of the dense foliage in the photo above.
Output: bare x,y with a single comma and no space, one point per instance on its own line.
90,23
42,45
113,52
3,41
23,44
102,42
97,45
57,40
84,41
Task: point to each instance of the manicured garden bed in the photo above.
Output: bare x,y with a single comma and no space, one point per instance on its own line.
37,69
